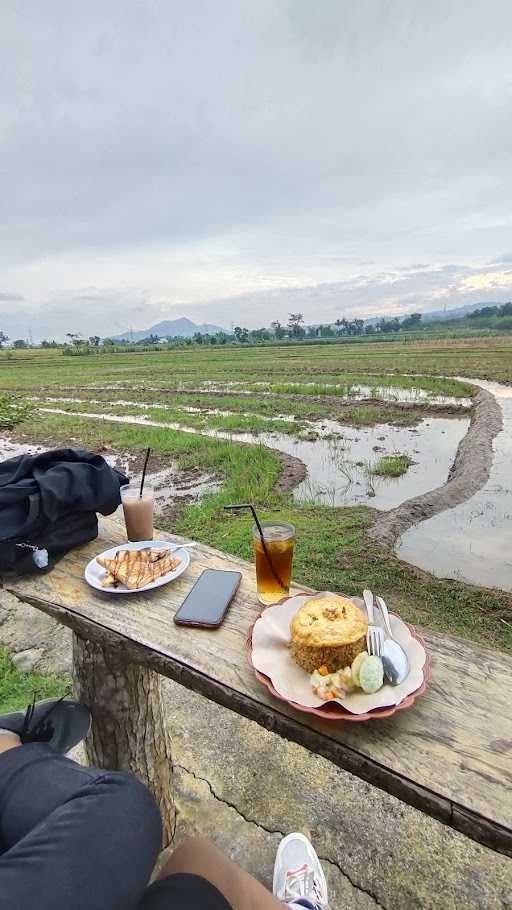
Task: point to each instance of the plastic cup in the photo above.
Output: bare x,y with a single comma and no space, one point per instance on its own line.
138,511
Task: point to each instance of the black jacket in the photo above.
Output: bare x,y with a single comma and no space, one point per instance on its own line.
49,501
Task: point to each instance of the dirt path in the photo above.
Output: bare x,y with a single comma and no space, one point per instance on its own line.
293,472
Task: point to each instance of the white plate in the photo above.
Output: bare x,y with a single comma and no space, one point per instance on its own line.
270,655
94,573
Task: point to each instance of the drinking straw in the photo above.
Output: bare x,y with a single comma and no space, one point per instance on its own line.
248,505
144,472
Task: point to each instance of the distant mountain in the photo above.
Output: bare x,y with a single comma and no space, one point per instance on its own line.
435,315
457,313
183,327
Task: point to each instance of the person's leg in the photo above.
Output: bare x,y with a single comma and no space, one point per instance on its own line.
8,740
203,878
73,837
193,868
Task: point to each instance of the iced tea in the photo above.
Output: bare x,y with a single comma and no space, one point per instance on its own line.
273,571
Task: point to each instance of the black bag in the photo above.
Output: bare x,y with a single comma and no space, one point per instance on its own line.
48,502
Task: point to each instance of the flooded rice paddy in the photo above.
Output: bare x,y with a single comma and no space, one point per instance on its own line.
313,390
340,469
473,541
356,392
340,459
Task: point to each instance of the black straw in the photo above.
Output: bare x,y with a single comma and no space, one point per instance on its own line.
144,472
247,505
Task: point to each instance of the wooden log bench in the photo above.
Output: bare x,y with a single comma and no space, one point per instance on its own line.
449,755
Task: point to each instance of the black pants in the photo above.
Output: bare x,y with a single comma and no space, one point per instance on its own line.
75,838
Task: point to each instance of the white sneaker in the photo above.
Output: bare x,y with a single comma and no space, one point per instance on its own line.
298,873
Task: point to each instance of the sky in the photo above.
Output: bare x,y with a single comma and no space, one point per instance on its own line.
236,160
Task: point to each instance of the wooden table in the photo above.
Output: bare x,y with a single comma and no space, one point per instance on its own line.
449,755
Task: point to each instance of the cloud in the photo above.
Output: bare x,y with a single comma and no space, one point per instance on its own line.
484,281
504,259
393,293
192,153
84,310
10,296
399,291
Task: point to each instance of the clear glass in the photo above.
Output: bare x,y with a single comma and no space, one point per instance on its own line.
138,511
273,576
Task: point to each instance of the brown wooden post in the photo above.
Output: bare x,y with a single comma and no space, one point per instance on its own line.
128,731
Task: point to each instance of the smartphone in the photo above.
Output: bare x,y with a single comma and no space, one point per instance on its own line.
207,602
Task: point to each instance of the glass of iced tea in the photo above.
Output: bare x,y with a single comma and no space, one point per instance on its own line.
273,567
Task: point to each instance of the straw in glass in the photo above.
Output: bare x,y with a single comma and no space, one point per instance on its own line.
237,507
144,472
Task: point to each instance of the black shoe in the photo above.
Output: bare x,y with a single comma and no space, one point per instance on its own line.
60,723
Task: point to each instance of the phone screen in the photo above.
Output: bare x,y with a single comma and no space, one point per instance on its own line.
207,602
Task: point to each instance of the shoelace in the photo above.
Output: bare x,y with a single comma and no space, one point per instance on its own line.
43,730
302,883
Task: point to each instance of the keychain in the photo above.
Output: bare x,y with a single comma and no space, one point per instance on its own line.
39,554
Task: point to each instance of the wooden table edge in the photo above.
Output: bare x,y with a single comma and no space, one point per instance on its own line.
470,823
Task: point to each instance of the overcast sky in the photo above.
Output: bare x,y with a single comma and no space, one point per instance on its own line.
214,158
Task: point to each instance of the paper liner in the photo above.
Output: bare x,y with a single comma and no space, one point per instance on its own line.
268,654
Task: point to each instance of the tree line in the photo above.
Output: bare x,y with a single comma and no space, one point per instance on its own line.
294,329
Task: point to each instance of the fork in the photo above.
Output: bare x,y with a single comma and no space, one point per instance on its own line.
375,635
182,546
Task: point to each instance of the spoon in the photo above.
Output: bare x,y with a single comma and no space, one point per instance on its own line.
394,658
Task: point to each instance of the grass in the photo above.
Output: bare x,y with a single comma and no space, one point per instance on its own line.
247,471
488,358
332,386
172,409
333,552
237,422
365,413
227,423
17,689
391,465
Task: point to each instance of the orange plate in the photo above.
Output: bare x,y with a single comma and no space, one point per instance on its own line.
331,711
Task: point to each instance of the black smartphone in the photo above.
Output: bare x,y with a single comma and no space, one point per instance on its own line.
207,602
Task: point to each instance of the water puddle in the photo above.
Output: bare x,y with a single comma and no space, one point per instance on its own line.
151,406
343,391
338,458
339,469
473,541
175,486
11,449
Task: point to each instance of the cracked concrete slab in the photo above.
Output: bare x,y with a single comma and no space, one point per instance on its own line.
387,853
244,787
248,843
